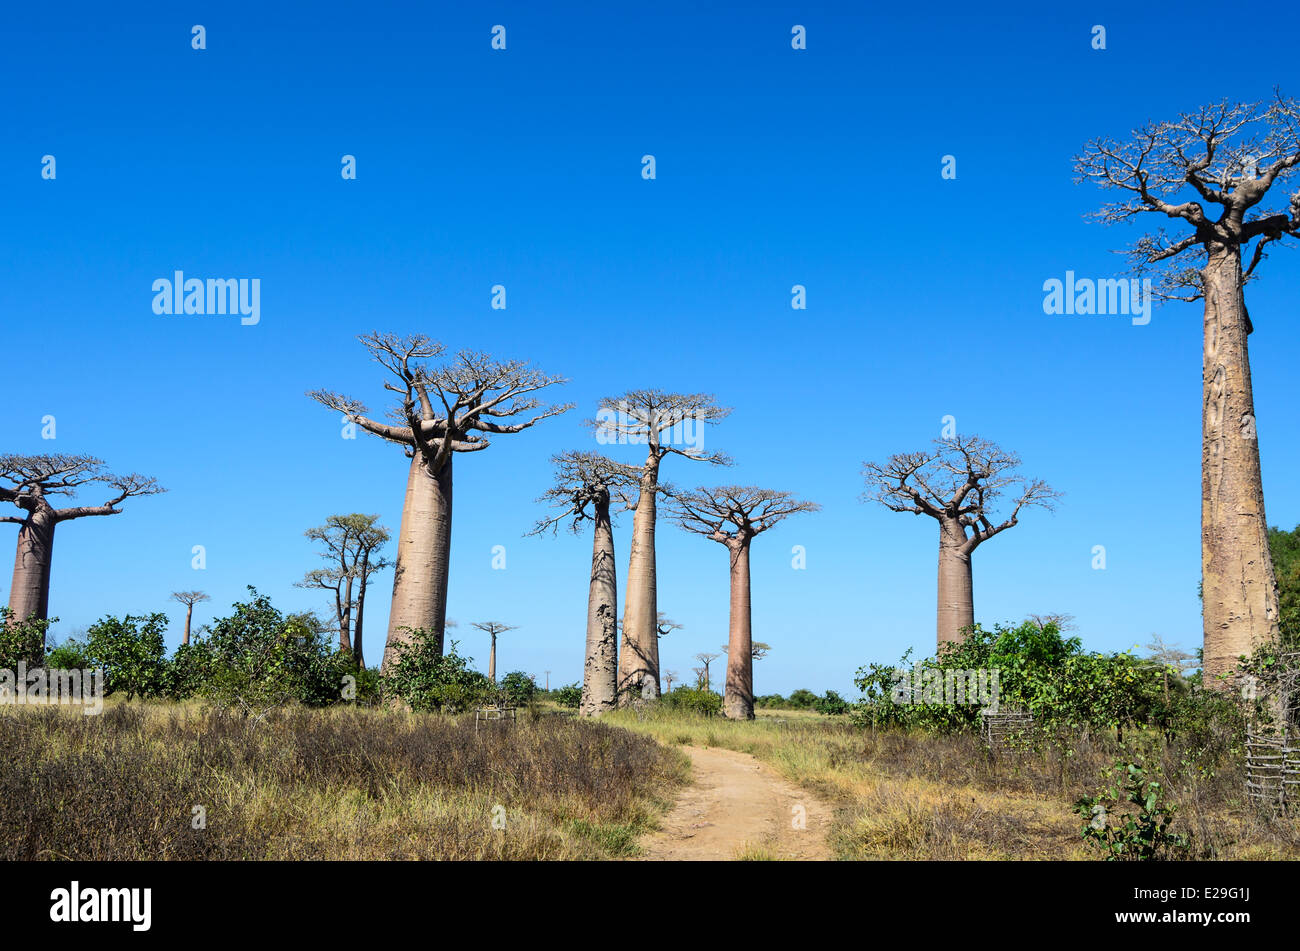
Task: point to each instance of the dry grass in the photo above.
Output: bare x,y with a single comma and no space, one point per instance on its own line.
336,784
917,796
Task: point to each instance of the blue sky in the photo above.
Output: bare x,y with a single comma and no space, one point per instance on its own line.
522,167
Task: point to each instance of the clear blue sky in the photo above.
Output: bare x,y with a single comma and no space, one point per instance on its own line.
522,167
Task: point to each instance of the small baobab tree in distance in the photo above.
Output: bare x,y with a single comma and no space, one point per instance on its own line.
733,516
670,677
585,485
664,423
702,673
1208,172
494,630
958,484
351,553
441,410
189,599
32,482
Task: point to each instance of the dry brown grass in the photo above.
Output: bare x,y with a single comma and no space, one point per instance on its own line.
336,784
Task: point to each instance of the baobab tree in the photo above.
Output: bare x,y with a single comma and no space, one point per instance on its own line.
666,625
351,552
494,630
664,423
958,484
669,677
1228,155
441,410
32,482
586,484
757,650
734,516
702,673
189,599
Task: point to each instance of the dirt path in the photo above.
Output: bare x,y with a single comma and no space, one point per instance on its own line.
736,804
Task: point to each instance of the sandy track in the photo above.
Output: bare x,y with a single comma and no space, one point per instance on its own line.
734,802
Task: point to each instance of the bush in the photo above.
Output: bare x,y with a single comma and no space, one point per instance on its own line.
569,696
1138,832
802,699
771,701
517,688
257,657
694,700
131,653
831,705
70,655
1039,670
22,640
433,681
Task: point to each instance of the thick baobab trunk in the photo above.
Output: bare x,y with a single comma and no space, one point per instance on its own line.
423,557
638,661
1239,590
189,614
956,609
738,697
29,594
345,620
357,653
600,670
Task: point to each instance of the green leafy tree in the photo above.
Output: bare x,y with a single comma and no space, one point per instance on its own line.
568,696
1285,550
131,653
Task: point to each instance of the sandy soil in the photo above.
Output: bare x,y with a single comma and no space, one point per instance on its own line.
737,802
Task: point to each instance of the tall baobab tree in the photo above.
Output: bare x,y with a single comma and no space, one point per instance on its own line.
664,423
702,673
1228,155
958,484
32,482
494,630
586,483
441,410
189,599
351,552
733,516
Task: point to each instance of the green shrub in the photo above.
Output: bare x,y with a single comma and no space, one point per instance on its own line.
568,696
1138,831
70,655
694,700
517,688
832,704
22,640
802,699
131,653
430,680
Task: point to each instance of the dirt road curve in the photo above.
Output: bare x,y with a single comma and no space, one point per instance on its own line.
737,803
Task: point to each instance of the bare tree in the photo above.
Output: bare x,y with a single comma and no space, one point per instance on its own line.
189,599
351,552
669,677
585,485
757,650
442,410
733,516
664,423
702,673
1228,155
958,483
493,630
32,482
666,625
